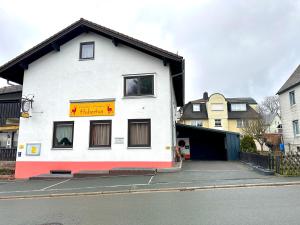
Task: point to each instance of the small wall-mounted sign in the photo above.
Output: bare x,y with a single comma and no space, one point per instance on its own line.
19,154
33,149
101,108
119,140
21,146
24,114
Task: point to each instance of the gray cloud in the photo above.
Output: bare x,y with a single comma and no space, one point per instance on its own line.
239,48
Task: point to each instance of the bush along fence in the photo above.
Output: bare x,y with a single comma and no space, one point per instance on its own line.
287,164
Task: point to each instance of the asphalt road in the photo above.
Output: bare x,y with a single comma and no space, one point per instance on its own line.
240,206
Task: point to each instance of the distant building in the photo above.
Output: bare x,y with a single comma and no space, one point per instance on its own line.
273,123
289,97
218,112
10,99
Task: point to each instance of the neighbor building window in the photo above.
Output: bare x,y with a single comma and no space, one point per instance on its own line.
197,123
217,107
292,98
63,134
139,133
100,133
87,50
139,85
218,123
296,127
196,107
241,123
238,107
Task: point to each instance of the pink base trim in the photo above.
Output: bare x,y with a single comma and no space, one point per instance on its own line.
25,169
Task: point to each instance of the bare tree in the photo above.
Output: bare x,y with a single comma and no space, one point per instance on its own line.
270,105
256,129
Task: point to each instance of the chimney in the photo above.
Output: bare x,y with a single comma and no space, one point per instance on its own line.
205,96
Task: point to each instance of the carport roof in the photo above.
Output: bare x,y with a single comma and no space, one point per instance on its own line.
205,129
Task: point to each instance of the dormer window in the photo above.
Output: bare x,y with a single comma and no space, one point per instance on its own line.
87,50
238,107
196,107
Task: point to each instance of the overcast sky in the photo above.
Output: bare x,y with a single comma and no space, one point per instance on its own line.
238,48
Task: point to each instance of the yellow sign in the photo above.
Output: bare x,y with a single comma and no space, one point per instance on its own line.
33,150
78,109
25,114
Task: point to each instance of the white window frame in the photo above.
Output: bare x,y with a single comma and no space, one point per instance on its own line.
238,107
296,127
197,123
198,105
292,98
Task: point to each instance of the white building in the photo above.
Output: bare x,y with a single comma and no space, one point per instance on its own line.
289,96
101,100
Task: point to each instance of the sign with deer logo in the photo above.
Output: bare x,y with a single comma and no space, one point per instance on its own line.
101,108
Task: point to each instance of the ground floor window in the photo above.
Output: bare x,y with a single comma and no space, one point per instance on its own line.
197,123
218,123
100,133
139,133
63,134
296,127
9,139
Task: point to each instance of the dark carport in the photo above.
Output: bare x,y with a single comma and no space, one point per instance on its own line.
210,144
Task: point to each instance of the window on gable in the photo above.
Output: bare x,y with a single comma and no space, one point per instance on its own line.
196,108
139,85
238,107
292,98
63,134
100,133
87,50
218,123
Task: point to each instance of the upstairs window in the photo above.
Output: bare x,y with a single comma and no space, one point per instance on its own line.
241,123
217,107
218,123
296,127
196,107
87,50
292,98
63,134
238,107
139,85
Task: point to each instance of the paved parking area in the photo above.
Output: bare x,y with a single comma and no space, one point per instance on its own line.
193,174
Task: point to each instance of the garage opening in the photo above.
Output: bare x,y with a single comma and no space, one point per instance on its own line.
208,144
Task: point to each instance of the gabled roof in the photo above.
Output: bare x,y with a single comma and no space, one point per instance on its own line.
14,69
293,80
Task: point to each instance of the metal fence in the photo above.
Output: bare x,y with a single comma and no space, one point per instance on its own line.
263,161
8,154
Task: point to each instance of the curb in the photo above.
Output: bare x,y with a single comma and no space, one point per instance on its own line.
156,190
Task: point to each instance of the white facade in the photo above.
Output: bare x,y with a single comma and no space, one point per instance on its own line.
290,113
60,77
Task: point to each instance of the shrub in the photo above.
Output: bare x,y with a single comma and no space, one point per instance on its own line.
248,144
7,172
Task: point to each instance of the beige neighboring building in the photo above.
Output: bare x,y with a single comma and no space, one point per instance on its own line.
218,112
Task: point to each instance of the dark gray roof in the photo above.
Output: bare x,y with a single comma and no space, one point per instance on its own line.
14,69
11,89
246,100
189,114
293,80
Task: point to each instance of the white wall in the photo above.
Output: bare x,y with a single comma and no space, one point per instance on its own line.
59,77
288,114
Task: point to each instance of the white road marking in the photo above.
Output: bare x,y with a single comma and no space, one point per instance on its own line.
149,182
43,189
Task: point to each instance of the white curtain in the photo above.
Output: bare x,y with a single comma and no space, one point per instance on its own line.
64,134
87,51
